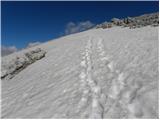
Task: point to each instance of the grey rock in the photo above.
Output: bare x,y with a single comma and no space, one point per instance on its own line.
105,25
19,63
133,22
117,21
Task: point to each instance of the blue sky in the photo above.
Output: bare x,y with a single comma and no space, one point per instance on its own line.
27,22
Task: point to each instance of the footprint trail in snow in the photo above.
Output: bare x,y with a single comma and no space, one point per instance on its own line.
101,83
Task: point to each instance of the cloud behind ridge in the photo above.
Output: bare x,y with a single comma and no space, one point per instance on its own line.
72,27
8,50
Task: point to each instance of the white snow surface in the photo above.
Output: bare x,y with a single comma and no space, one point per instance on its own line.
99,73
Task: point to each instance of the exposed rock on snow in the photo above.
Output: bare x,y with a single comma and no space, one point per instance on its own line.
133,22
12,67
105,25
117,22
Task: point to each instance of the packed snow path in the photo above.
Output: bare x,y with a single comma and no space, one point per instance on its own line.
111,73
99,74
97,97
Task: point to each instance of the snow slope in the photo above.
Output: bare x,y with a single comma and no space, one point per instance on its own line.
99,73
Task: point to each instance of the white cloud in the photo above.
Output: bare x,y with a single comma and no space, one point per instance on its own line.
72,27
8,50
33,44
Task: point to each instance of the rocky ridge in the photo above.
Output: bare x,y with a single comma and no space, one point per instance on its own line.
133,22
18,63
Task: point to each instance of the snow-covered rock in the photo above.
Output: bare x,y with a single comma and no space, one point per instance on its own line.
11,67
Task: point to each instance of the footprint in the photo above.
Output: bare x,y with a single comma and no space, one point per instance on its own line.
83,63
111,66
82,75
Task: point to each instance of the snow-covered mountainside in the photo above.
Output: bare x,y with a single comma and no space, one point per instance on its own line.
99,73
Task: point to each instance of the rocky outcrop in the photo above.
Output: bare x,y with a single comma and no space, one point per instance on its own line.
17,64
133,22
117,22
105,25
